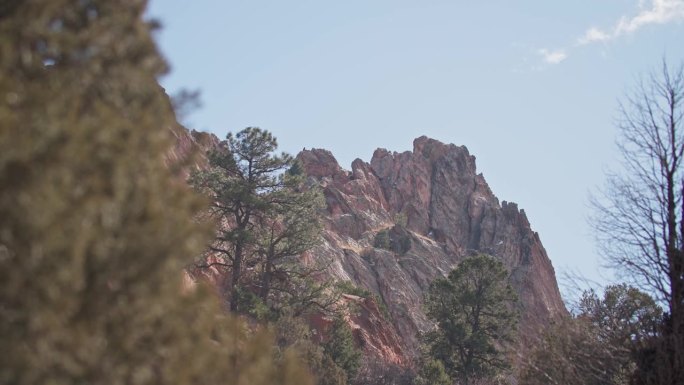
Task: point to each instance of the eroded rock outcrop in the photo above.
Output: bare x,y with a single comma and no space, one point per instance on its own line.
395,224
404,219
190,149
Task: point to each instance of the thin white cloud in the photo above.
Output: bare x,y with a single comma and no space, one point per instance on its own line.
593,35
657,12
650,12
552,56
662,12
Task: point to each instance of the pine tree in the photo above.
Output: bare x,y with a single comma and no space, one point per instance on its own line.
94,227
294,332
266,218
474,311
432,372
341,349
241,175
290,227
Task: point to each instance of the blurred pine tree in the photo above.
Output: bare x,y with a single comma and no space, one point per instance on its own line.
94,228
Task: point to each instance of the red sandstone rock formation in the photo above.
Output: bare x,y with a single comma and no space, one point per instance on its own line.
449,213
190,148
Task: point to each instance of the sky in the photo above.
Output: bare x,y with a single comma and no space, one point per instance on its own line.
531,88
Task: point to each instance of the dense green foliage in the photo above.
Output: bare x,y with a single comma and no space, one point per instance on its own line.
94,226
474,311
376,371
382,239
341,348
624,316
295,333
432,372
395,239
600,344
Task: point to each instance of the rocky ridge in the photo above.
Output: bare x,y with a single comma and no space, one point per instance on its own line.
395,224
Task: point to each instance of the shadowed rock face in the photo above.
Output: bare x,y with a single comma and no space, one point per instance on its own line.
396,224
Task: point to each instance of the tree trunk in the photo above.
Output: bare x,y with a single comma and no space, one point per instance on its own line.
268,274
676,328
235,279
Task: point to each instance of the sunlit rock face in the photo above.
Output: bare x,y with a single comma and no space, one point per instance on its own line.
395,224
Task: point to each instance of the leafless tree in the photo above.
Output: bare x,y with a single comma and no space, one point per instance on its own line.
638,216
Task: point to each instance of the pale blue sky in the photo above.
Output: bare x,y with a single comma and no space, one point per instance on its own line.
530,87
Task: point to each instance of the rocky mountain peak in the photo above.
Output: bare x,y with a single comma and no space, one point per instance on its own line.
396,223
404,219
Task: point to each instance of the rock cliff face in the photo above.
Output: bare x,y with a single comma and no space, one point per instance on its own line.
404,219
189,149
395,224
